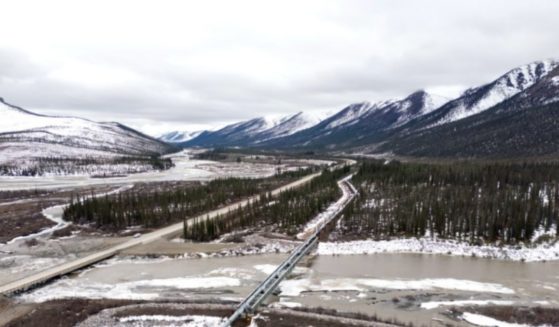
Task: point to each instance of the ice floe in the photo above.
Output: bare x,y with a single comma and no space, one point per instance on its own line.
136,290
186,321
297,286
460,303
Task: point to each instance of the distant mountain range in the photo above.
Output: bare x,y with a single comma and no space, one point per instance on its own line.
513,115
516,115
25,136
178,137
255,131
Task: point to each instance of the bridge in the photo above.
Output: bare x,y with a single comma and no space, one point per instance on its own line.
42,277
269,285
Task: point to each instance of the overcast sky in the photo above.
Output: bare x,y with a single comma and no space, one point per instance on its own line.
162,65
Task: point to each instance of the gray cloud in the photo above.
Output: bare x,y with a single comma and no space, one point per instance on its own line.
205,64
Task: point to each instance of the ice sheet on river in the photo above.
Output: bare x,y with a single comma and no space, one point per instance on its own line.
298,286
136,290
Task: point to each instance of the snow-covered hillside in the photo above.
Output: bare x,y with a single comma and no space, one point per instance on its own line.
351,114
257,130
178,136
416,105
478,99
361,122
544,92
26,136
374,126
302,129
289,125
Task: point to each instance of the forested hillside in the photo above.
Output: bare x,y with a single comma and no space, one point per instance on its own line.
471,202
501,132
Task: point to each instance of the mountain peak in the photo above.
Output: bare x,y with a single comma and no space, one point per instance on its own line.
27,135
479,99
179,136
524,76
350,114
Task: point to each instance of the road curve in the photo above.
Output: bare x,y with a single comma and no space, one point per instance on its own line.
68,267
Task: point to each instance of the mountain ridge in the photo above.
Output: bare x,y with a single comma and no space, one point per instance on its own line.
23,132
380,125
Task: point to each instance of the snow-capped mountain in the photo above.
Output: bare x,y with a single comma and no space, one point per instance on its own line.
289,125
178,136
544,92
349,115
362,122
522,126
255,131
232,135
25,135
422,123
478,99
358,121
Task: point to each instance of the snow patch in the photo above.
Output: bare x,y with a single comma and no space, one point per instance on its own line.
541,252
480,320
55,213
505,87
327,215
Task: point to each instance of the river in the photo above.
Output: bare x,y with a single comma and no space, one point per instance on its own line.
408,287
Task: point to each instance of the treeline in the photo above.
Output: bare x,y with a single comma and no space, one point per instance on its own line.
159,208
284,213
88,166
214,154
466,201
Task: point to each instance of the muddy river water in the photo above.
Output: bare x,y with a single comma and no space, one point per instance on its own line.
407,287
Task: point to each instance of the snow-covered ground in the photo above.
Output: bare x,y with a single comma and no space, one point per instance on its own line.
185,169
481,320
181,315
541,252
55,213
333,209
28,136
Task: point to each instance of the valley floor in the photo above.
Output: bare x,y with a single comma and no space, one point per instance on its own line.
409,281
